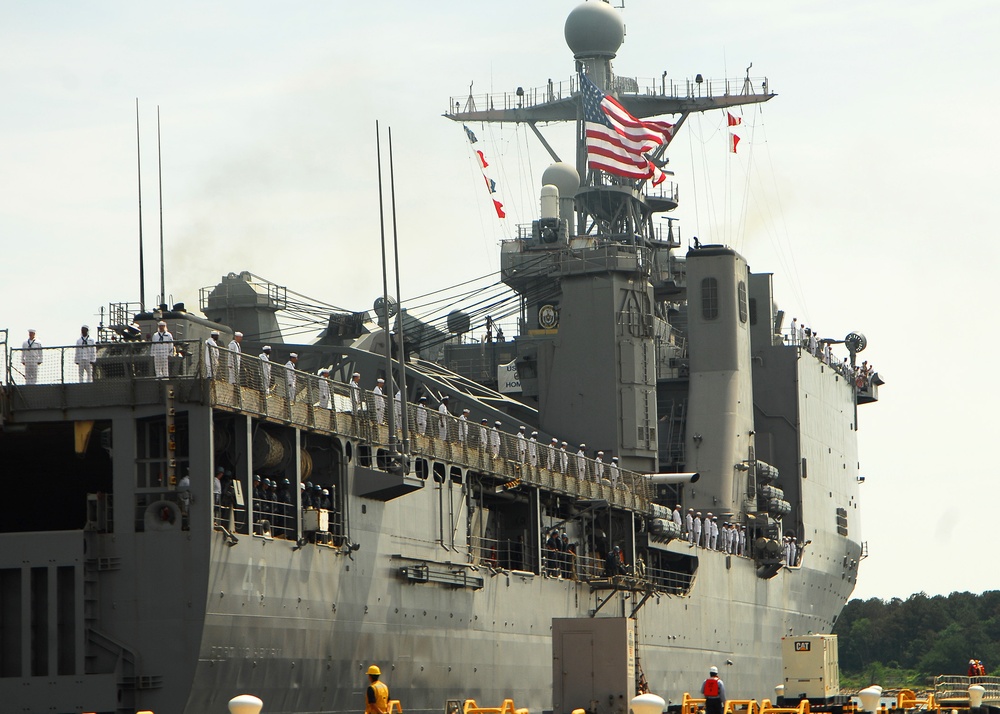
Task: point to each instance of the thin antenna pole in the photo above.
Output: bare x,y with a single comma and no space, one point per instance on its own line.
159,162
385,301
399,304
138,163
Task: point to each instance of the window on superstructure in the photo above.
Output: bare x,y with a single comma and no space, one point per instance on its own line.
741,291
709,298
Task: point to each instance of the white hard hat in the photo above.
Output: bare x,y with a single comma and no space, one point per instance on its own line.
713,670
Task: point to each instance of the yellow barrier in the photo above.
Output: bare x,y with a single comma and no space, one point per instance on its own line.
749,706
767,708
395,706
690,705
907,699
506,708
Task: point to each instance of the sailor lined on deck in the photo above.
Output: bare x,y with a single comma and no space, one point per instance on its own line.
443,415
324,388
355,386
265,368
290,379
86,355
378,397
463,427
234,357
31,357
162,349
422,416
212,355
521,446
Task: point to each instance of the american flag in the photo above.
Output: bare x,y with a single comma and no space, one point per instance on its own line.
616,141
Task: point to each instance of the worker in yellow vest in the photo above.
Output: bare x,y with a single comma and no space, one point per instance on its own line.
377,696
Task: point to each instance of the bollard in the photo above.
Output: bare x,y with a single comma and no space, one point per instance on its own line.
976,693
869,698
245,704
647,704
779,694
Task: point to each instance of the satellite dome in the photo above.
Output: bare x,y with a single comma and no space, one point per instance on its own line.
564,177
594,29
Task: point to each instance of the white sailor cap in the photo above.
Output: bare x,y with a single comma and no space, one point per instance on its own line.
555,440
356,374
465,411
486,421
380,380
422,399
161,323
324,371
564,443
213,333
496,423
600,453
266,348
84,327
521,427
583,446
237,334
534,433
293,355
615,458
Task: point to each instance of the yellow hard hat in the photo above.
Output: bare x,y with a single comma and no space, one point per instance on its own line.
374,670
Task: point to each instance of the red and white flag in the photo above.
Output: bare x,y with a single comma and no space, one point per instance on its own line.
733,141
733,121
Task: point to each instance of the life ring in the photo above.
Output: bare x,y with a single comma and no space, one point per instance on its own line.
859,382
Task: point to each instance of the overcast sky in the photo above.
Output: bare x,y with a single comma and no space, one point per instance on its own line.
863,186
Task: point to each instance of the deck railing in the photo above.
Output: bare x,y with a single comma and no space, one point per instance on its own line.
131,372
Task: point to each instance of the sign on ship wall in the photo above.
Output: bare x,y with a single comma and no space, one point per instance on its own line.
507,379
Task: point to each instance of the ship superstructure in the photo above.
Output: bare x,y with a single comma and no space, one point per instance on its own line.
184,528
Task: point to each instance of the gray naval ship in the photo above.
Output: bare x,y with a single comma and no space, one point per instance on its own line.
347,528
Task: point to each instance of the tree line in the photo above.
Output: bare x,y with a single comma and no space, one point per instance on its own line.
923,636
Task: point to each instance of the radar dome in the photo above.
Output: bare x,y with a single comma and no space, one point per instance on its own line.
594,29
564,177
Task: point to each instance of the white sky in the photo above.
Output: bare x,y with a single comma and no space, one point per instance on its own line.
869,180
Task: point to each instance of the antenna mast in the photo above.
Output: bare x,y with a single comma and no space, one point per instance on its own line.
399,306
159,165
138,163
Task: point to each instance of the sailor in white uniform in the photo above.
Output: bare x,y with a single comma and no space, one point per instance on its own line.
86,355
397,409
235,358
212,355
521,446
163,347
553,454
31,357
265,368
422,416
696,529
599,467
581,462
324,388
614,471
714,543
290,379
495,440
533,449
676,517
355,387
463,427
563,458
689,525
484,434
443,419
379,398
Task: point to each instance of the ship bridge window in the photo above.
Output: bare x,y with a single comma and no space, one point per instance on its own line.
741,291
710,298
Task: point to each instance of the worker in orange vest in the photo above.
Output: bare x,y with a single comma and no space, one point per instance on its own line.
377,696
